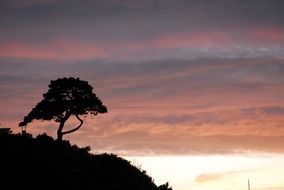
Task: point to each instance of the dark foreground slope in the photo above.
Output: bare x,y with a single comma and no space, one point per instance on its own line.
40,163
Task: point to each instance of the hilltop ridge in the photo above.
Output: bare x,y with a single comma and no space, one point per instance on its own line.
43,162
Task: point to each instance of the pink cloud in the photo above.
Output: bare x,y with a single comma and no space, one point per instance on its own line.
66,48
209,39
202,106
55,49
274,36
220,39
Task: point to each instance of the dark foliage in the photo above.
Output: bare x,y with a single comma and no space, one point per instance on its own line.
43,163
66,97
165,187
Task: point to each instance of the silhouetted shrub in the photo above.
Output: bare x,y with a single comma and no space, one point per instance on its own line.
165,187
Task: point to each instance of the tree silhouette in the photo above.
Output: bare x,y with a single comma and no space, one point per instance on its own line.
66,97
165,187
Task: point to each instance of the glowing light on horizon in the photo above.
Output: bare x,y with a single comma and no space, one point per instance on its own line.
215,172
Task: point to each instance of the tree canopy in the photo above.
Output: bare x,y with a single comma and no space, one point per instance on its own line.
66,97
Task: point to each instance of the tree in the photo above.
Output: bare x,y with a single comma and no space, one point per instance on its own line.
66,97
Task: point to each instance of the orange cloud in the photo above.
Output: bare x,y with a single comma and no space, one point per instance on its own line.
208,177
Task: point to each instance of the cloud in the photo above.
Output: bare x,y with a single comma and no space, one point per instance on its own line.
89,29
183,45
18,4
137,144
193,77
56,50
202,106
274,110
208,177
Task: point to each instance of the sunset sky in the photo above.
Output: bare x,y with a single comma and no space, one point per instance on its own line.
194,88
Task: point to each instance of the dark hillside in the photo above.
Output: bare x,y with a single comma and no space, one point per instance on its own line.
42,163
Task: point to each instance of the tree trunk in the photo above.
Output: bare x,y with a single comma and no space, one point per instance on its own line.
59,131
75,129
61,125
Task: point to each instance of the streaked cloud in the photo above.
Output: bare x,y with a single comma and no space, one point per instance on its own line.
186,77
185,46
120,30
56,50
203,106
194,86
209,177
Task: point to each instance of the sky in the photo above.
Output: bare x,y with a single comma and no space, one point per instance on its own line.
194,88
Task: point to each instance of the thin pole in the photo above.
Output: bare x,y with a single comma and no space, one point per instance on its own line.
248,185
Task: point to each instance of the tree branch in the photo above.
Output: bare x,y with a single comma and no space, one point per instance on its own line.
75,129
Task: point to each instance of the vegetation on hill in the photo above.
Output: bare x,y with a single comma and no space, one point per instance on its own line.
43,162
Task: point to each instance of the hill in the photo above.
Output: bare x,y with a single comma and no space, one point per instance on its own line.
42,162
